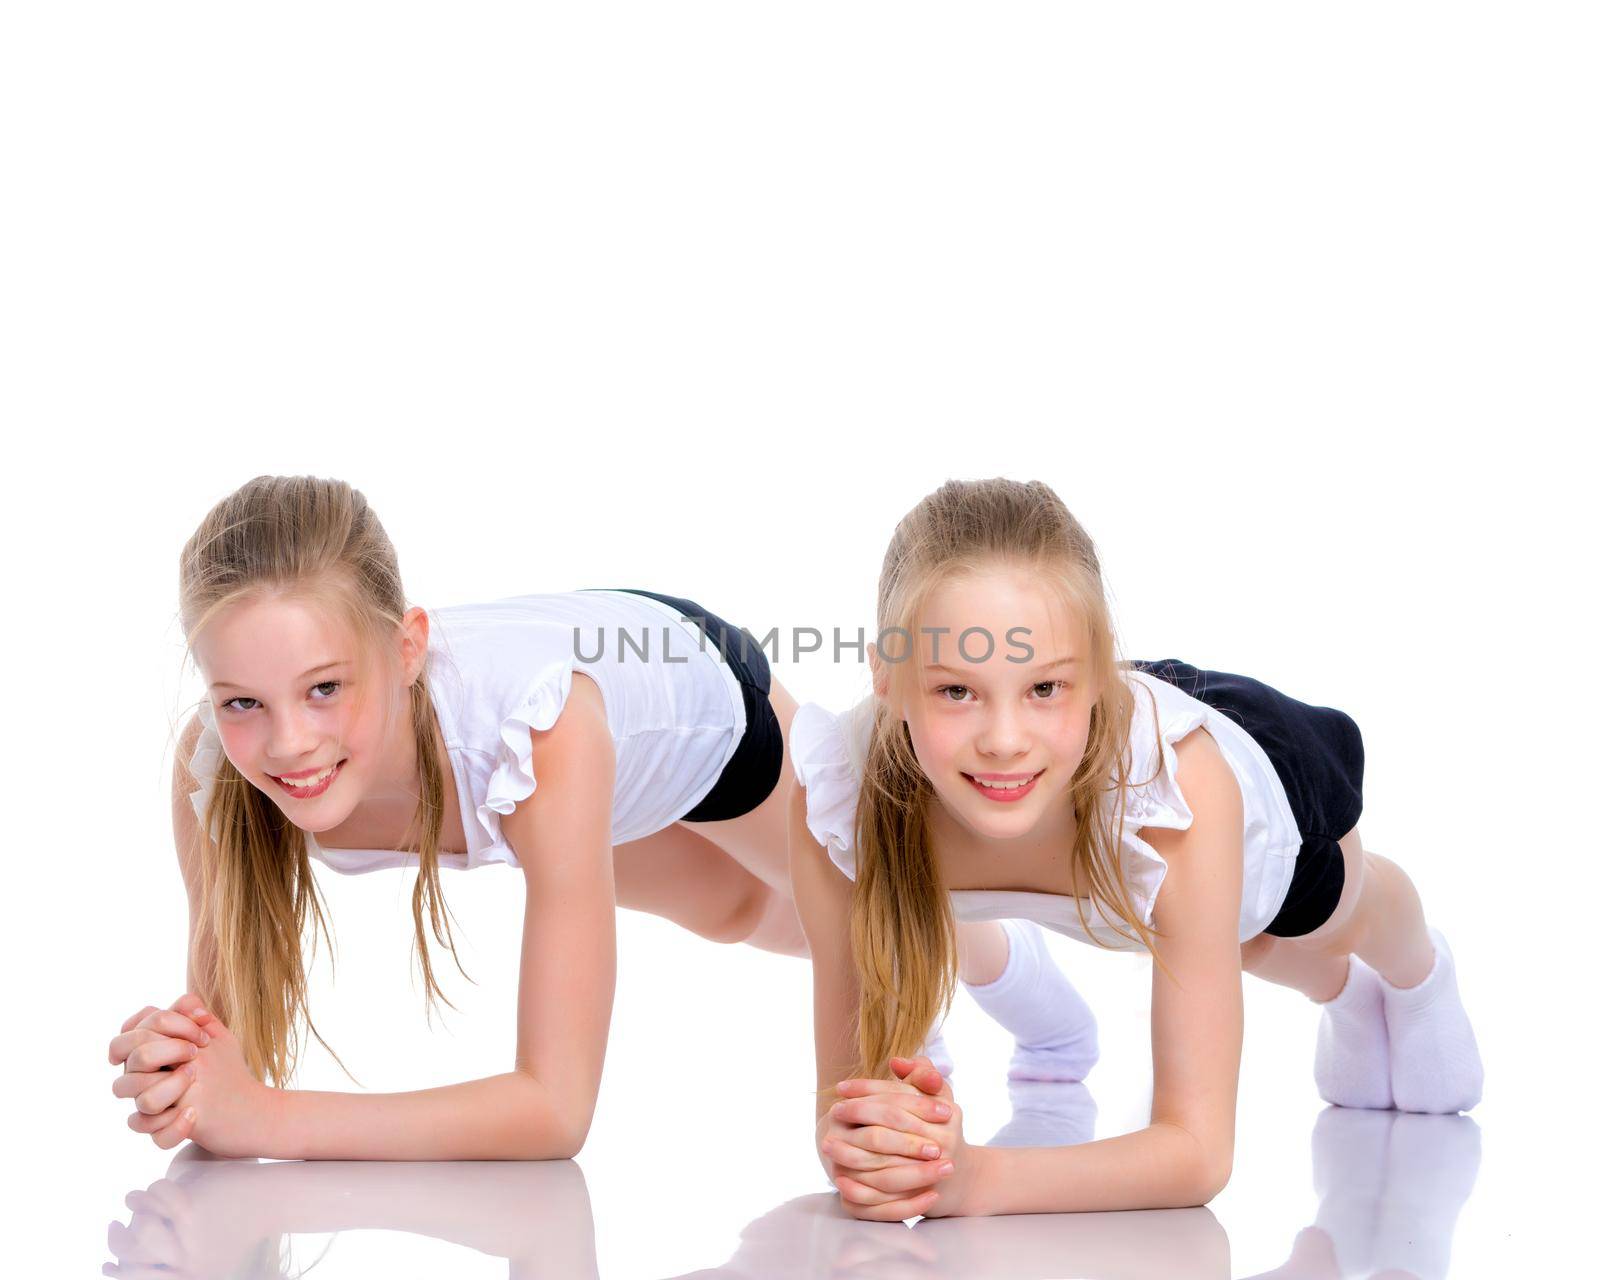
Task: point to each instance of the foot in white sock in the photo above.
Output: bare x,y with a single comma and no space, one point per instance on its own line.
1047,1115
1433,1056
1352,1063
936,1052
1054,1029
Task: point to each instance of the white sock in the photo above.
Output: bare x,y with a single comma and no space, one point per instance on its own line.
936,1052
1352,1063
1433,1055
1032,999
1047,1115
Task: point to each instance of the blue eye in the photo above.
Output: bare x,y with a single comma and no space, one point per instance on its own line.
228,705
326,684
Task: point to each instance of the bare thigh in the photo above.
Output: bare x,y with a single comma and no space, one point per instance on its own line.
1328,935
681,876
1355,875
759,840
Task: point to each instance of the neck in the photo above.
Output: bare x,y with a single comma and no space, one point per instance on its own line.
384,816
1052,837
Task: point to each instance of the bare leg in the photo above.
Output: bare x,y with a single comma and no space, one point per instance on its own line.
1393,1031
759,840
982,950
683,877
1009,971
1379,918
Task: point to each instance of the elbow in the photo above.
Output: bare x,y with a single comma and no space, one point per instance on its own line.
550,1127
1210,1176
560,1137
573,1135
1200,1169
541,1140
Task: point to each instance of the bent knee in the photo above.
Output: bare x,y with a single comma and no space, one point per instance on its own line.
743,917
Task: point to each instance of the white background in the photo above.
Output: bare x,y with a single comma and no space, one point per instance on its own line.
1294,306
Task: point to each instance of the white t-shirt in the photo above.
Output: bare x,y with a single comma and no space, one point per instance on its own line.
498,671
829,750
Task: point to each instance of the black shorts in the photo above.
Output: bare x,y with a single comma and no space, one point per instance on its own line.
1317,755
750,776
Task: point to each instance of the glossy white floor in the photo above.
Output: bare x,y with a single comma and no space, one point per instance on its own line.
1292,304
700,1164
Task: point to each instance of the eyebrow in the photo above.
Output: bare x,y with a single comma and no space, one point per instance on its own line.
326,666
958,671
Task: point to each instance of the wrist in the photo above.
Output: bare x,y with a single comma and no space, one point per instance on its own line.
274,1135
982,1195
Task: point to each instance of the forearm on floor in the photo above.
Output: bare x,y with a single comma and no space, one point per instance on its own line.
505,1117
1159,1167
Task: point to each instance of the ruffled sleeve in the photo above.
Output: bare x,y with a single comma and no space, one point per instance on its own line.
820,746
204,762
1154,798
511,780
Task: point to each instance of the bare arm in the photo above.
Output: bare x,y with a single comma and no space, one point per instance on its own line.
193,847
542,1108
1185,1156
822,897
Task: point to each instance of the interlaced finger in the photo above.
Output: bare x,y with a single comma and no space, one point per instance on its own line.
876,1206
889,1141
845,1152
176,1132
166,1022
875,1111
139,1017
906,1179
130,1084
159,1051
141,1123
165,1092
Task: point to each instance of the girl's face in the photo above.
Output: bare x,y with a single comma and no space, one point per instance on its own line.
299,715
999,734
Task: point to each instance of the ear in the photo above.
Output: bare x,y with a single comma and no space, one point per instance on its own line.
413,643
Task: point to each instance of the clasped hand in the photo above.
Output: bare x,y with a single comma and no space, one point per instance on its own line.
895,1147
188,1079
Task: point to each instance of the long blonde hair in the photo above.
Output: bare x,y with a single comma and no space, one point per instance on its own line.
901,924
315,539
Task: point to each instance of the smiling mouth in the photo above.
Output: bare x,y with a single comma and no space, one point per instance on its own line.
1005,790
309,786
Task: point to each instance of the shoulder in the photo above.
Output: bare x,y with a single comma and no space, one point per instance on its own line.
1209,788
577,738
574,760
1201,890
828,752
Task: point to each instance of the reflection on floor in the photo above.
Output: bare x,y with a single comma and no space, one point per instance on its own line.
1391,1187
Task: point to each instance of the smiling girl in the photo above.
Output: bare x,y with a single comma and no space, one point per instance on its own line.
621,748
1202,816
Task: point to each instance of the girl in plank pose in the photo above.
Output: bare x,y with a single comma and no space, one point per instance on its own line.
1009,765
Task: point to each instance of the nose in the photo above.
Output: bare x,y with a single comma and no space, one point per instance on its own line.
1003,735
292,738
